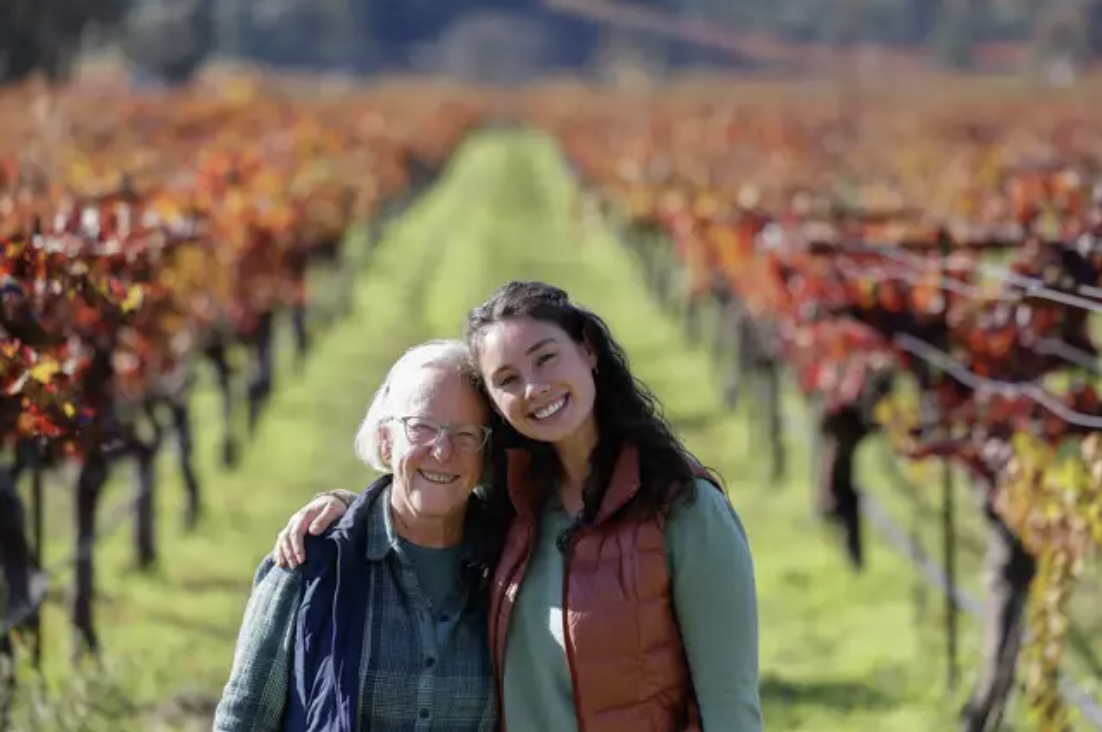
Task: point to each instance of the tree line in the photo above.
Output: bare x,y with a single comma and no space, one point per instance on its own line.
169,39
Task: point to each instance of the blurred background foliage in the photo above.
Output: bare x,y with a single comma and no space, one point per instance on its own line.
512,41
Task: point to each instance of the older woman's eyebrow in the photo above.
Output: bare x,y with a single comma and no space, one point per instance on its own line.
443,423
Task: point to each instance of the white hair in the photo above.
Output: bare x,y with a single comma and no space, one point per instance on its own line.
442,353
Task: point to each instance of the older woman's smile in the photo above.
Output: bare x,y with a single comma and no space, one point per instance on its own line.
442,478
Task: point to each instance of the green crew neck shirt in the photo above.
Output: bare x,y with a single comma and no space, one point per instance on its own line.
437,570
439,579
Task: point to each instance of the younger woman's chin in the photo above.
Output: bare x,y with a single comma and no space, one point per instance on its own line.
554,435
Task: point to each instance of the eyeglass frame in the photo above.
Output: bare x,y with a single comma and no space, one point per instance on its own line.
440,430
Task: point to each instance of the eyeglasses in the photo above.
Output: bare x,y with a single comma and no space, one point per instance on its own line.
466,438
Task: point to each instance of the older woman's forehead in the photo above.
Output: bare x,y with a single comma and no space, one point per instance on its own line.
430,390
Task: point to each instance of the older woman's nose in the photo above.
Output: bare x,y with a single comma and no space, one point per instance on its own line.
442,446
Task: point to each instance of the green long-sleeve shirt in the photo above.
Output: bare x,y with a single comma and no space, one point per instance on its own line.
714,594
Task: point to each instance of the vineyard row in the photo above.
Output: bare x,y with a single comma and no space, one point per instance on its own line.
139,250
925,272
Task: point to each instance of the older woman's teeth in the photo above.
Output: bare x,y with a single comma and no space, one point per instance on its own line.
437,477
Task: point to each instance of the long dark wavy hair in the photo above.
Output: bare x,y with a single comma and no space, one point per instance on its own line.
626,411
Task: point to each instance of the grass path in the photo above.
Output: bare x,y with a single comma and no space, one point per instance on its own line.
839,652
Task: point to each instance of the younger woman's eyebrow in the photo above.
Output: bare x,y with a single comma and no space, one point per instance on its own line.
530,350
539,344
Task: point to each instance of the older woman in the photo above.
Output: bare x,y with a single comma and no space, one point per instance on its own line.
623,595
384,628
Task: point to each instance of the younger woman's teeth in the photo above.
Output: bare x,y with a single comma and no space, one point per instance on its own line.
550,409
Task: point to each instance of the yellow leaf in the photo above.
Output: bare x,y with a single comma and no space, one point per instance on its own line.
45,370
133,299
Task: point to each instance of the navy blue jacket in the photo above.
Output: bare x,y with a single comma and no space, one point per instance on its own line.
329,632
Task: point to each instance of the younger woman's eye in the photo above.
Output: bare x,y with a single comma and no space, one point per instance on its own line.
544,358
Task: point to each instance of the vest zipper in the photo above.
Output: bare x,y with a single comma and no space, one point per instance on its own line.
567,645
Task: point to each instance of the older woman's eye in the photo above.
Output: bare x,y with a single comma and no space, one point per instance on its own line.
544,358
421,432
468,440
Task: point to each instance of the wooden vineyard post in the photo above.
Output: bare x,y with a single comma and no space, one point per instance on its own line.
948,525
948,531
38,518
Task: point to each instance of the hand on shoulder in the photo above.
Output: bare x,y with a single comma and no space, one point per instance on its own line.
314,518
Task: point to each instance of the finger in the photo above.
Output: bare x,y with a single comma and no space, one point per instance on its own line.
288,551
294,558
294,538
290,559
289,538
321,522
278,554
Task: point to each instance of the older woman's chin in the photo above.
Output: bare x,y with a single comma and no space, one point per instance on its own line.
431,499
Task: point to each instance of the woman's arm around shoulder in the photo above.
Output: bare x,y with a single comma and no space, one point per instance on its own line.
715,596
254,697
313,518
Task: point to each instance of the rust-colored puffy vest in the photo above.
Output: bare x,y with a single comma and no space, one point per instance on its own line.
623,646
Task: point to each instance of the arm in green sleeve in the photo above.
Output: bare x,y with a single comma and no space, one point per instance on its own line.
254,697
716,603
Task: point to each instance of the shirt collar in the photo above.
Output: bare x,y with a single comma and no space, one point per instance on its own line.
381,536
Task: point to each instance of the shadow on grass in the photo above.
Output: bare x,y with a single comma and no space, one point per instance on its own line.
214,584
783,699
224,633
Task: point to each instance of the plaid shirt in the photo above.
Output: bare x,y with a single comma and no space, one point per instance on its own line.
417,672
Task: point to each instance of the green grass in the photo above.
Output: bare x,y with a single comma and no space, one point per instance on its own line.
838,651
